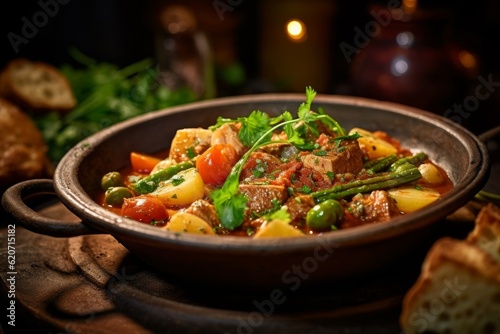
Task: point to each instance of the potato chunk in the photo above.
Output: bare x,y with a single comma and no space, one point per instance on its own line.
182,189
184,222
430,174
372,145
278,229
409,199
188,143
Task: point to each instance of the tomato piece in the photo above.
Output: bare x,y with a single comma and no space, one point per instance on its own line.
143,163
215,164
145,209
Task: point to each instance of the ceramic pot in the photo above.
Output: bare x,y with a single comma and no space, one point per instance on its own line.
244,262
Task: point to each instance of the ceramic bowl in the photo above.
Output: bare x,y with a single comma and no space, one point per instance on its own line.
245,262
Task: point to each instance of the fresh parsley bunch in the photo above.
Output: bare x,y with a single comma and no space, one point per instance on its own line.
106,95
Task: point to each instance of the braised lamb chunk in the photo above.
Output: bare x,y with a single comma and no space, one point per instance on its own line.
262,198
377,206
284,151
298,206
260,165
228,134
205,211
347,158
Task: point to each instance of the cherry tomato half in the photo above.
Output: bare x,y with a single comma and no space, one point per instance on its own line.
215,164
145,209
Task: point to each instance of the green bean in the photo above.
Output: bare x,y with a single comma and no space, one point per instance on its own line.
414,159
151,182
380,164
403,174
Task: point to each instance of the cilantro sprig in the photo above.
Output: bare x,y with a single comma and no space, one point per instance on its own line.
256,131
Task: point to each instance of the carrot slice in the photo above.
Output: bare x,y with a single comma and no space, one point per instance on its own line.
143,163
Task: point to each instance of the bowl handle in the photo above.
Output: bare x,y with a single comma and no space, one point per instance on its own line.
489,134
14,201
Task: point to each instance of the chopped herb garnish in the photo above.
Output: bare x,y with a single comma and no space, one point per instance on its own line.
320,153
177,179
305,189
250,231
259,169
190,153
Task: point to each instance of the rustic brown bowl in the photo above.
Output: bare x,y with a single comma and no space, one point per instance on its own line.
248,263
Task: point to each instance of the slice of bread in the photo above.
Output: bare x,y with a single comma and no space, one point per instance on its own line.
36,85
486,233
23,152
458,290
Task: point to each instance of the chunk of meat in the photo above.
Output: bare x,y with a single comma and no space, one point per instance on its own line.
260,165
228,134
262,198
285,151
377,206
347,158
299,206
188,143
204,210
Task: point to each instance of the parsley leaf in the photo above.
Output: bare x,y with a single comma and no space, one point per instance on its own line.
229,204
177,179
253,127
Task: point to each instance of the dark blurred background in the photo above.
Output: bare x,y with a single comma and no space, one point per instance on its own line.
442,56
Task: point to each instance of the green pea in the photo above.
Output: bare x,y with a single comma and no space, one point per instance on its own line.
111,179
324,215
115,195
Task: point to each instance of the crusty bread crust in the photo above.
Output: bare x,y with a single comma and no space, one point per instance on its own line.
458,290
36,85
486,233
23,153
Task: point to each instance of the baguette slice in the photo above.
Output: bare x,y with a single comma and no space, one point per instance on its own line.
36,86
458,291
486,233
23,152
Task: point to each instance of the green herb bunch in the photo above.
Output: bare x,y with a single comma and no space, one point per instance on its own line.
106,95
